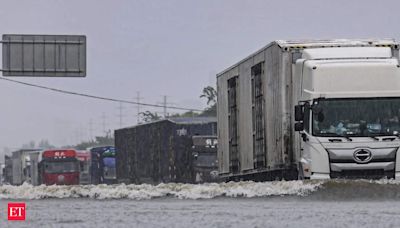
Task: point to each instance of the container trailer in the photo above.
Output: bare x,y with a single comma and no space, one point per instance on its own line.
160,151
314,109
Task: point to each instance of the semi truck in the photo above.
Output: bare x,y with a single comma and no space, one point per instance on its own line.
204,158
103,170
315,109
24,166
60,167
84,158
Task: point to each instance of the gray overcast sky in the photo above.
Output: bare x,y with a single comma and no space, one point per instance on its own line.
162,47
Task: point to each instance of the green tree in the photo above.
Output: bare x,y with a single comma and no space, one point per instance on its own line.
105,140
211,111
210,94
99,141
148,116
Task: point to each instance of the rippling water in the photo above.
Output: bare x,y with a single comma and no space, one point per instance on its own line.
181,191
242,204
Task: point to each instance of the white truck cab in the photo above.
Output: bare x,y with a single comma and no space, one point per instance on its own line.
349,112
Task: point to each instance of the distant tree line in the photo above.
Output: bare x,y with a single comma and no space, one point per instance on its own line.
98,141
42,144
208,93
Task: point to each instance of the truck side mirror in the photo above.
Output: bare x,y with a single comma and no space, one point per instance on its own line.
299,126
298,113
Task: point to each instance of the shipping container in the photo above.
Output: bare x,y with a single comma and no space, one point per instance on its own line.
160,151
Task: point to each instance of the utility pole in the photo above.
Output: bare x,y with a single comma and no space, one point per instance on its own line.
90,130
120,114
138,99
103,118
165,104
81,133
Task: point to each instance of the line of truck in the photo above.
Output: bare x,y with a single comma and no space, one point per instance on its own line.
169,150
307,109
60,166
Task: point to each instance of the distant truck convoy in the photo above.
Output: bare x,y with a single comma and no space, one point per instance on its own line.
36,167
341,96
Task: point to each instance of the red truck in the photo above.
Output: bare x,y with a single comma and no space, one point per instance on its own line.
60,167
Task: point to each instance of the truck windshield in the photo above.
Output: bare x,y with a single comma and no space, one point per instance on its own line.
61,167
205,160
356,117
109,162
109,168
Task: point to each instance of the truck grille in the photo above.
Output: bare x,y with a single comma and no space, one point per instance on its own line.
344,163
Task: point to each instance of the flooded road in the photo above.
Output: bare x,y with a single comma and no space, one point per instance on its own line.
327,204
222,212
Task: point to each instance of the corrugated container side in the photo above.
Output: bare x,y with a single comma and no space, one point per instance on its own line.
122,155
276,81
273,107
245,116
288,109
157,152
222,118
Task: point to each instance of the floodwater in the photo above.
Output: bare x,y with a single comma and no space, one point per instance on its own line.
242,204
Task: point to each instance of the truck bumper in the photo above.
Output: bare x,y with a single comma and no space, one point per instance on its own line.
320,176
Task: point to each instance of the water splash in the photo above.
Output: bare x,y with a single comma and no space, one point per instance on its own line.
245,189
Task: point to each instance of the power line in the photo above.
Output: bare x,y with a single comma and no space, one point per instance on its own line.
99,97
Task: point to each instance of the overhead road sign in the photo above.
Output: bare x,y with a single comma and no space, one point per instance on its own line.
44,55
